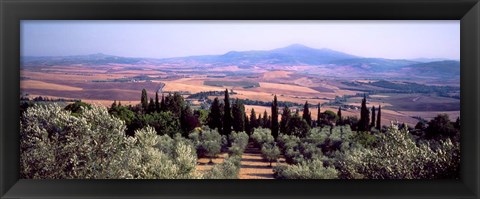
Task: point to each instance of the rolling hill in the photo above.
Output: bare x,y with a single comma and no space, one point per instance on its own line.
281,58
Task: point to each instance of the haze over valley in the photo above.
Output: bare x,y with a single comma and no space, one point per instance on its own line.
407,89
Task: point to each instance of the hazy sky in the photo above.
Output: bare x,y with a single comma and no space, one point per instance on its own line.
160,39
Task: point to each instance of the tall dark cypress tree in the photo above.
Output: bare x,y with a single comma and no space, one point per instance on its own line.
274,123
246,124
364,116
319,115
379,117
188,121
144,100
373,117
266,121
114,105
339,113
227,115
238,110
260,121
157,102
253,119
286,114
306,114
214,120
151,106
163,106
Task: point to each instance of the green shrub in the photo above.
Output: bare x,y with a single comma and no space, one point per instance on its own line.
397,156
261,135
270,152
92,145
286,142
55,144
207,142
240,139
229,169
312,169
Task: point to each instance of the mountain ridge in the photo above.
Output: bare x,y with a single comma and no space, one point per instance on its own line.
284,57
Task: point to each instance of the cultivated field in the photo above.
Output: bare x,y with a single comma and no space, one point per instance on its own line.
106,83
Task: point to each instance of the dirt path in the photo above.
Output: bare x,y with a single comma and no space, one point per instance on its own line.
253,166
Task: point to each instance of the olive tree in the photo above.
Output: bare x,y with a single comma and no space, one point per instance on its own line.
270,152
55,144
207,142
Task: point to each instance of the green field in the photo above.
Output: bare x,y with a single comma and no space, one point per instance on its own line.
419,102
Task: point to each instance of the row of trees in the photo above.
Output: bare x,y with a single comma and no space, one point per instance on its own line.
166,115
225,117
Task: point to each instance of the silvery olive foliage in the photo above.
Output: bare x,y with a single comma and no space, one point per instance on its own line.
228,169
239,143
240,139
148,158
270,152
262,135
397,156
92,145
311,169
207,142
54,144
393,154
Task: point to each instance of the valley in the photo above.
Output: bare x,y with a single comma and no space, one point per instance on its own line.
101,79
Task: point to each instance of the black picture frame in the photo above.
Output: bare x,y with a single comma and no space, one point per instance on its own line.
12,11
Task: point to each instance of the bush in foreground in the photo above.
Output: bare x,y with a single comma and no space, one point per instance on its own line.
270,152
92,145
397,156
313,169
207,142
229,169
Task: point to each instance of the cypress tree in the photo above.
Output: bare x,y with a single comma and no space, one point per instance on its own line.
373,117
253,119
227,115
188,121
114,105
266,121
238,111
285,118
260,121
306,114
269,124
339,113
274,123
151,106
364,115
163,106
144,100
246,124
157,102
214,120
319,115
379,117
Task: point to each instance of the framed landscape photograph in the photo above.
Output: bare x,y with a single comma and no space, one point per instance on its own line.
239,99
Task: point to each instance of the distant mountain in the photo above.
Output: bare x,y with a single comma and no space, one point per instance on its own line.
320,61
374,64
92,59
445,69
295,54
424,60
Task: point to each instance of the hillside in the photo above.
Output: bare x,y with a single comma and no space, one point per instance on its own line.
295,57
